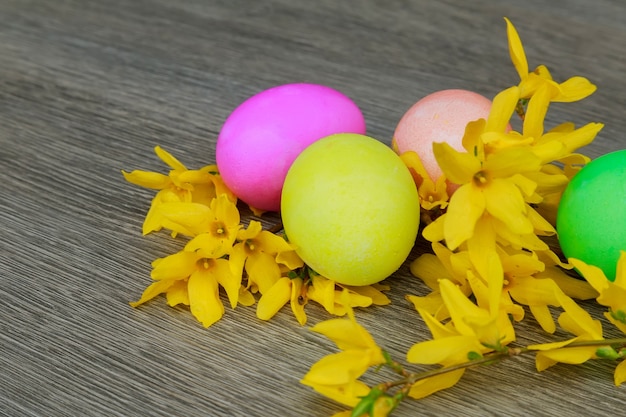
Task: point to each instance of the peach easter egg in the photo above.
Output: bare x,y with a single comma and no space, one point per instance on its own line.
439,117
263,136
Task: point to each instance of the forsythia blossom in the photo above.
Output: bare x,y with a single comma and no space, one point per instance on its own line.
223,254
337,375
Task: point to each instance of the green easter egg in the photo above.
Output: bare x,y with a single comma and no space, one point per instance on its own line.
591,219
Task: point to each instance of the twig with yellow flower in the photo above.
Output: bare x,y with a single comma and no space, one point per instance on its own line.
223,254
490,261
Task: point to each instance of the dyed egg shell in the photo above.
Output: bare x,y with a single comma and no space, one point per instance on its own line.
591,218
263,136
350,207
439,117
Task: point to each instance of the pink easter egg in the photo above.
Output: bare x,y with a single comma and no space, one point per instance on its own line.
263,136
439,117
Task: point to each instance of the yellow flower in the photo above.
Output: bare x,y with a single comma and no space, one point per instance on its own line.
261,253
577,321
329,295
180,185
430,268
490,186
193,277
529,282
284,289
574,89
611,294
220,219
432,194
472,331
545,186
336,375
554,145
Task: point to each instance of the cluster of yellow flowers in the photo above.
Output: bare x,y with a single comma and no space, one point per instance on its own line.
488,219
490,257
221,252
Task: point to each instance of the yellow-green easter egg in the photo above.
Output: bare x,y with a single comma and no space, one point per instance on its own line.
591,219
350,207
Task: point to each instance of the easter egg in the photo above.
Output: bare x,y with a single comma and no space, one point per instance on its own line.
591,218
261,138
350,207
439,117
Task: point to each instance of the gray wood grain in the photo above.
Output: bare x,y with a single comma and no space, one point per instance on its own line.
88,88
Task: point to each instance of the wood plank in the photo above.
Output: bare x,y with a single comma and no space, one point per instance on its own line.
88,88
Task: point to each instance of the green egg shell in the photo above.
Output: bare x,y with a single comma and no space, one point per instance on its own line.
591,219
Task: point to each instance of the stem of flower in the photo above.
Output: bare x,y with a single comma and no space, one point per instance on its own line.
489,358
619,342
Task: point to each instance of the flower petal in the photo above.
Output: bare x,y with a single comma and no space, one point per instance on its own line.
177,266
502,108
237,259
178,294
544,317
572,355
413,162
153,290
577,320
223,274
458,167
516,50
322,291
206,245
347,334
297,301
169,159
204,299
594,275
473,138
226,211
437,329
431,304
337,369
274,299
273,244
461,308
535,292
574,89
429,269
482,246
536,113
245,297
466,206
575,288
263,271
190,219
251,232
620,373
348,393
147,179
428,386
510,161
580,137
290,259
434,231
448,350
504,201
368,291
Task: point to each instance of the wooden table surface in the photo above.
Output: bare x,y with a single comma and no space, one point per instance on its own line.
88,88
